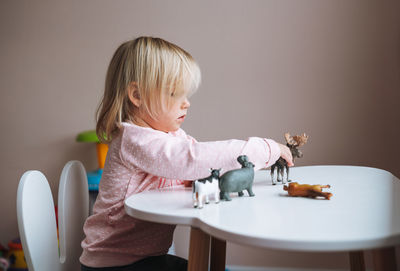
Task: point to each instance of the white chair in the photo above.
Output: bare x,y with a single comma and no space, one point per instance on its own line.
37,222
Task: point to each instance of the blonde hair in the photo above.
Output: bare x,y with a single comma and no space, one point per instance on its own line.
159,69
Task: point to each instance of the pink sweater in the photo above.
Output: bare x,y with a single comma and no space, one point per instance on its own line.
141,159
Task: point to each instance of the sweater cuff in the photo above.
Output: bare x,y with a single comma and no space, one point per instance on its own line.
274,152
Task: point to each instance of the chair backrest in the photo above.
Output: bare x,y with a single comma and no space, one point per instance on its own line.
37,222
73,209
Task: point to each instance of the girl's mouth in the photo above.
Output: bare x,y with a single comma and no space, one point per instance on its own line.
182,117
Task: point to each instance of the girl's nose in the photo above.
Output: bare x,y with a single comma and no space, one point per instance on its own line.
186,104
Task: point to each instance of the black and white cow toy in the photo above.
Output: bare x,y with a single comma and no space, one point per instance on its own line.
203,188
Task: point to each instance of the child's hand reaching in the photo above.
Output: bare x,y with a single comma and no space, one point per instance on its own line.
286,154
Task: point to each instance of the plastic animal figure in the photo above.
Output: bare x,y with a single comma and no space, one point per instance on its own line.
293,142
237,180
307,190
202,188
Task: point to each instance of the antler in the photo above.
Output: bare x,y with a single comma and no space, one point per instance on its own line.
289,139
301,139
297,140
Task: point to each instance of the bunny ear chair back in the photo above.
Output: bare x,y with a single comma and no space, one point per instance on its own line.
37,221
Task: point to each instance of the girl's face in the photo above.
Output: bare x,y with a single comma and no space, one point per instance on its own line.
171,119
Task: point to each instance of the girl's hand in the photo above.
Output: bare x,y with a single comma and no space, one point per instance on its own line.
286,154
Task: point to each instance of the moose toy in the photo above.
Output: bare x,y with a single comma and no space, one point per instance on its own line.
307,190
293,142
238,180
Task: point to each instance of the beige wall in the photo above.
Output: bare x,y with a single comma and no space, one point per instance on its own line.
329,68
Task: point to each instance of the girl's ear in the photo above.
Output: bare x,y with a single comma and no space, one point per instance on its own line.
133,94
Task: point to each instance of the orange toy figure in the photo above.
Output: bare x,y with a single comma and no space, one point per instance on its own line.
307,190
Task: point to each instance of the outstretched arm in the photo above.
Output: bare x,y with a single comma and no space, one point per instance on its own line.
183,158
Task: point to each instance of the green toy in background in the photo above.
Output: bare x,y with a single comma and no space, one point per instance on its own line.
102,149
94,177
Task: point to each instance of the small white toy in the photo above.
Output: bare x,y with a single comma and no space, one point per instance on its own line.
202,188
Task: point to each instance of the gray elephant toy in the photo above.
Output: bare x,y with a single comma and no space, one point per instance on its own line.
237,180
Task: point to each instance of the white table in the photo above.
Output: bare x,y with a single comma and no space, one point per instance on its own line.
363,214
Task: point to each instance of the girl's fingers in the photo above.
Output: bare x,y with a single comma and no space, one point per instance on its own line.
286,154
289,159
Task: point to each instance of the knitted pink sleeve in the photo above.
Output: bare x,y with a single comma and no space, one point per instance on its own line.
182,157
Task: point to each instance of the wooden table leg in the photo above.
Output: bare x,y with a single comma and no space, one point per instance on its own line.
384,259
357,261
199,250
218,254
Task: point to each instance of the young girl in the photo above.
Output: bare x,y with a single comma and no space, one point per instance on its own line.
145,102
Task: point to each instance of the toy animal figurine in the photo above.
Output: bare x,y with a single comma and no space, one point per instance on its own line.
202,188
237,180
293,143
307,190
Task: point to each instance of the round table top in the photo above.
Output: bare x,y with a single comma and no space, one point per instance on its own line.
363,213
